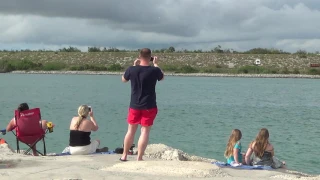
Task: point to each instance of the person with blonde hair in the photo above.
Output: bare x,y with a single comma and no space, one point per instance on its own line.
80,130
262,151
233,149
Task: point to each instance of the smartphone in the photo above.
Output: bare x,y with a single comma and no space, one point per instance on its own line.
89,108
151,58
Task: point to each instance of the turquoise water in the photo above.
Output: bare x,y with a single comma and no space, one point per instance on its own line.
196,114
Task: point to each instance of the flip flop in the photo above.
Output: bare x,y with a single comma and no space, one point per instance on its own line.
123,160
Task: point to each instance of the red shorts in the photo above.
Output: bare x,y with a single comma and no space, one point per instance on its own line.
144,117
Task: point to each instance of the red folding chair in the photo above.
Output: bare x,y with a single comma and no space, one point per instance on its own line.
29,129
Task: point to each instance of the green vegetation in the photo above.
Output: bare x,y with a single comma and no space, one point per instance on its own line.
217,60
26,65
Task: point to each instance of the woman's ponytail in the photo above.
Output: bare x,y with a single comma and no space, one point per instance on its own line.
83,112
80,119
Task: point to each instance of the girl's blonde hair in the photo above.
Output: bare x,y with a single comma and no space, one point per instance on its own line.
83,112
261,142
233,139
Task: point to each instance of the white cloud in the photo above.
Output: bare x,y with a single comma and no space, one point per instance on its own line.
302,44
286,24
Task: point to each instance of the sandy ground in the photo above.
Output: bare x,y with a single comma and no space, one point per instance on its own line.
161,162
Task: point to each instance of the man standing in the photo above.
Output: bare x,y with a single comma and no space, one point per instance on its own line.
143,106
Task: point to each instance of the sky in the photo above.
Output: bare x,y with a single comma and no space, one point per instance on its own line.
241,25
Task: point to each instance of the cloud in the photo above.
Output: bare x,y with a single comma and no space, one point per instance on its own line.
149,23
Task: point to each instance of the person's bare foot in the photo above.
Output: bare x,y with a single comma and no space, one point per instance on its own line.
123,158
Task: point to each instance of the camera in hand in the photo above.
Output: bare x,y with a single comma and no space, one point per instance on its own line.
89,108
151,59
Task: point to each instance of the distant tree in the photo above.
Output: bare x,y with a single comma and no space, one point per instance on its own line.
111,49
25,50
227,51
198,51
218,49
265,51
94,49
171,49
302,53
70,49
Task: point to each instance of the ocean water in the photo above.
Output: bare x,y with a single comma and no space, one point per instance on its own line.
196,114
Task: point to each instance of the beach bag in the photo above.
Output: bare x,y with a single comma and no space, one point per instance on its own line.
119,150
265,160
276,163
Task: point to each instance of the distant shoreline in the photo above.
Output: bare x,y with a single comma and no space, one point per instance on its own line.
175,74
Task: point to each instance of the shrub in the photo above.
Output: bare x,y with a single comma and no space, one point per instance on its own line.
257,70
24,65
170,68
218,66
285,71
115,67
302,53
314,72
5,66
214,70
88,67
53,66
296,71
188,69
249,69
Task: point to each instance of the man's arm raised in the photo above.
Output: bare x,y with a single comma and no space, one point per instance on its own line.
126,75
155,63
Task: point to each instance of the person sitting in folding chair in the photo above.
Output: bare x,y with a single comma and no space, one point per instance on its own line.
30,128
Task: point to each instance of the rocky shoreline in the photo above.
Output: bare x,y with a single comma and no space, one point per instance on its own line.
176,74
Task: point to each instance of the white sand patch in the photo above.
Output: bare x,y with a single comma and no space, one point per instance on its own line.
161,162
169,168
163,152
294,177
7,157
5,149
168,161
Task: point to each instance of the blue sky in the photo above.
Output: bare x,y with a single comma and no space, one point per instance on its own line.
185,24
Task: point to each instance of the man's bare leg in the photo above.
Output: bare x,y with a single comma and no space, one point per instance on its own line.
143,141
128,140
